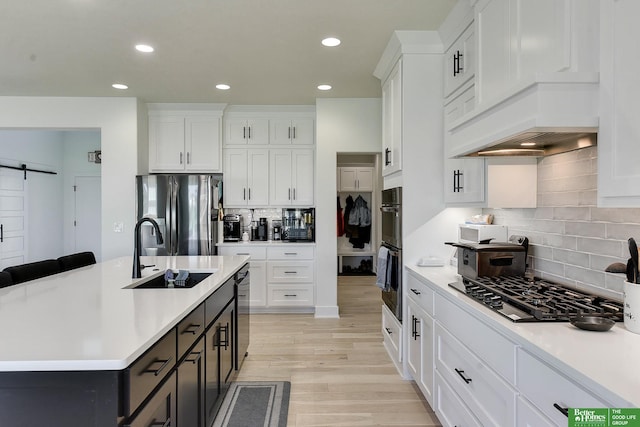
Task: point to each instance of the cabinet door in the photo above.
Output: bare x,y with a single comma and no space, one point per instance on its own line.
166,143
280,191
528,416
226,324
365,179
212,373
495,46
235,131
348,179
280,131
258,283
392,121
257,177
618,148
414,342
464,181
257,131
191,387
459,61
235,177
202,144
302,131
302,176
420,349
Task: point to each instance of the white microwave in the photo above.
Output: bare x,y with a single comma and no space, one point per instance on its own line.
476,233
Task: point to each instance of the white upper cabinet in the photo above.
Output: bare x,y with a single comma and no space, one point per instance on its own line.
355,178
291,177
460,61
392,121
185,140
464,181
240,131
618,147
246,177
300,131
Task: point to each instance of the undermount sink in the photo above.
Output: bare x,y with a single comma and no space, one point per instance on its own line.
159,282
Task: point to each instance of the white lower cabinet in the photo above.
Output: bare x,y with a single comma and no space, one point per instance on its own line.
420,349
550,391
282,275
392,336
488,396
451,411
528,416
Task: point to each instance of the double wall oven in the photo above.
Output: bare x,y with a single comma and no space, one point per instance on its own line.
391,214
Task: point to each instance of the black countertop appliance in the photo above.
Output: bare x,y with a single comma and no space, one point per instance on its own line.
298,225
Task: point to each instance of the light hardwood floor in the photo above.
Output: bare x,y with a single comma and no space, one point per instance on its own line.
339,371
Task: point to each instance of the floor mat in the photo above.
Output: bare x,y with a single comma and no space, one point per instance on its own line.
255,403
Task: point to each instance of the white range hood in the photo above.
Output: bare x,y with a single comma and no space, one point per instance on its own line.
559,111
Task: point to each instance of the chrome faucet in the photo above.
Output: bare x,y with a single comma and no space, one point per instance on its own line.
137,267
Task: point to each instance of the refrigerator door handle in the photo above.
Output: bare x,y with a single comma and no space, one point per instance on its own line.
174,216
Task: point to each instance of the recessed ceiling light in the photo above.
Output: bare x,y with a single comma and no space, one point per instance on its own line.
223,86
331,42
528,144
144,48
119,86
324,87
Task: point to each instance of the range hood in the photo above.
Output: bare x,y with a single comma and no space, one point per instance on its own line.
556,113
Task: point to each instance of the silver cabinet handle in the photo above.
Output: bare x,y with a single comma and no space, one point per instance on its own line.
244,194
249,189
249,132
244,132
294,194
188,157
290,272
180,157
289,194
290,295
294,132
291,253
289,135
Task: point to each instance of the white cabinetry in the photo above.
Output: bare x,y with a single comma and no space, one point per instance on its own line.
185,140
291,177
246,177
464,181
257,270
618,148
392,337
300,131
241,131
420,344
290,276
392,121
355,179
460,61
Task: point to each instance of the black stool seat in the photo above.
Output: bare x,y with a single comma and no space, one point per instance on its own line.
33,270
81,259
5,279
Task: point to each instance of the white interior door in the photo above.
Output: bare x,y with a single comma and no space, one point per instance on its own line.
88,208
13,218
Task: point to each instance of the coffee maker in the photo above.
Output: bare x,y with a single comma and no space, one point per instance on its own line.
262,229
232,228
276,229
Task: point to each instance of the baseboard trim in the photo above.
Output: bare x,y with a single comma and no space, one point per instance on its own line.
330,311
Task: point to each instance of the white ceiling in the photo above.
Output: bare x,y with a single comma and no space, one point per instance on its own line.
269,51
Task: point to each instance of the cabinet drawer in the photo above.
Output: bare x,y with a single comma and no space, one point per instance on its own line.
290,272
255,252
218,301
290,252
545,387
490,398
284,295
420,293
148,371
160,410
528,416
486,343
189,329
449,408
391,331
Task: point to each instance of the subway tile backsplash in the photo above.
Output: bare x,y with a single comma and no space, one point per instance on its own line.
571,240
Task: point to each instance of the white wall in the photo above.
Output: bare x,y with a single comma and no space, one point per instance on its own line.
76,145
116,118
342,125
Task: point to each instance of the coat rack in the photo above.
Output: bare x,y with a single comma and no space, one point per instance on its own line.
25,169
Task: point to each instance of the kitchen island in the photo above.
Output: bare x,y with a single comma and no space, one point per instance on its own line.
523,373
70,342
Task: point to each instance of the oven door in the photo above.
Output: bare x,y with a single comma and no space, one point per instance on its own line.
393,297
391,217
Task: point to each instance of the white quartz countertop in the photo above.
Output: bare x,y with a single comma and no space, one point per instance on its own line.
86,319
607,362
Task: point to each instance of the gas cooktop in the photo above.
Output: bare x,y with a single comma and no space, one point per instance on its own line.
521,299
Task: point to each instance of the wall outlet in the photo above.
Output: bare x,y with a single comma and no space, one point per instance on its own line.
118,227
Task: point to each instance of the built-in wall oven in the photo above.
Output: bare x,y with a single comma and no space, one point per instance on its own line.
391,215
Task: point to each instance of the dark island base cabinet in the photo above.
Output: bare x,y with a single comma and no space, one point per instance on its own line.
178,382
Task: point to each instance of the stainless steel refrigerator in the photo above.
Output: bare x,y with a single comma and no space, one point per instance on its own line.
186,209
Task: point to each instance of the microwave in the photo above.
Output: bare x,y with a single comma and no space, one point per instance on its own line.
476,233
